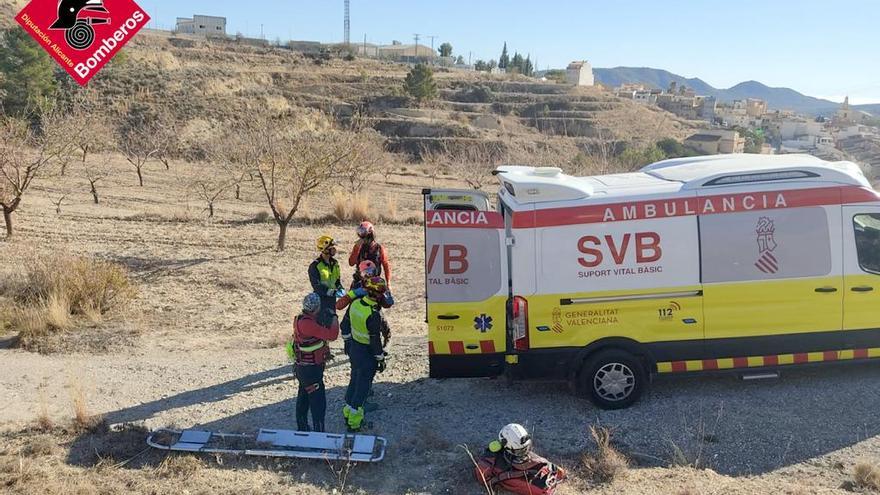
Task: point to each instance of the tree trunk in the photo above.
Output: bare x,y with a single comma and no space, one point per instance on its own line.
7,217
210,210
238,191
94,192
282,235
140,177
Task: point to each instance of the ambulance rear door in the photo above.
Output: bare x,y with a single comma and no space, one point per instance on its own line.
465,283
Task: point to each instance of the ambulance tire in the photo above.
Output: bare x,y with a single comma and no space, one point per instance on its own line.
613,379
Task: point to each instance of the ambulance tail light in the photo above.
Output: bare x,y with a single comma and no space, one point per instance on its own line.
520,324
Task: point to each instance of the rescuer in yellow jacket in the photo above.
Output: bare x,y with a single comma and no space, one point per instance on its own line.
325,279
362,331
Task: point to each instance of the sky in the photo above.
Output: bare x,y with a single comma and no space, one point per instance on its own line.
820,48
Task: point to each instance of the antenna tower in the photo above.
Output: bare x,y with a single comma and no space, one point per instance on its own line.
347,24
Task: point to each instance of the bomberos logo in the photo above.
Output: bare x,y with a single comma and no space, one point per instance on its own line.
82,35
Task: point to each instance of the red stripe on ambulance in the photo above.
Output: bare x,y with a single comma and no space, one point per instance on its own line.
704,205
467,219
487,346
456,347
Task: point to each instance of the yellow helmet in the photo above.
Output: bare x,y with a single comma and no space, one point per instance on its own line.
324,242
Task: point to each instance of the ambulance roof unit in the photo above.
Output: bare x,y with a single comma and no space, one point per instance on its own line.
533,185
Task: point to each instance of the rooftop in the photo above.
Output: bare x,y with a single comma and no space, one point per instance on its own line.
533,185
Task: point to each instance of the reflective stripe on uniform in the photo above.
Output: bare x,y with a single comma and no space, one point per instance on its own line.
358,313
311,348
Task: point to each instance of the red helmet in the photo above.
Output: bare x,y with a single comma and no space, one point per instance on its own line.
366,268
365,229
376,285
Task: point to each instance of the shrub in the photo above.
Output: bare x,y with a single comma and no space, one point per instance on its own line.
607,463
867,476
420,83
52,291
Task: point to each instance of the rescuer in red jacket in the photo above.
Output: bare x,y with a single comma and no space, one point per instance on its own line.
310,350
366,248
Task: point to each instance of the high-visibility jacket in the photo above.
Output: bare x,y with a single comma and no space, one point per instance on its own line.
324,275
363,323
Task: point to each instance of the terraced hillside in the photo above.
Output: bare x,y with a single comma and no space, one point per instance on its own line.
207,85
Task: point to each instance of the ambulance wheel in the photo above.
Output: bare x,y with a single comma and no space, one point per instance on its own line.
613,379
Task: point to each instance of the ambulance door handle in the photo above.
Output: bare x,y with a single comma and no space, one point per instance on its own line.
447,317
862,288
826,289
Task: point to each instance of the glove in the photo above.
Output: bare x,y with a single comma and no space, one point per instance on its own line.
359,292
389,299
346,346
339,293
331,292
380,362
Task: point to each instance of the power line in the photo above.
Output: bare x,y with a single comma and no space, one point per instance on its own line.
416,37
432,45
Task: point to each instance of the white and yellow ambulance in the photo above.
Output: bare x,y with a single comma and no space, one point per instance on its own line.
733,262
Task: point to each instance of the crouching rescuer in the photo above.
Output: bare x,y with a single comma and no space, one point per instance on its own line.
509,463
309,351
362,331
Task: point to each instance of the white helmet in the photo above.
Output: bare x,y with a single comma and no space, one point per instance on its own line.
516,441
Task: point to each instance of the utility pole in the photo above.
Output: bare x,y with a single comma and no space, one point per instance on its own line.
365,44
416,37
433,53
469,57
261,32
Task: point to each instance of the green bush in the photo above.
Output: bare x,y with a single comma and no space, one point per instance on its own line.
420,83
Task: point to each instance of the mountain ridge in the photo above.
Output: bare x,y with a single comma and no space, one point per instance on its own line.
776,98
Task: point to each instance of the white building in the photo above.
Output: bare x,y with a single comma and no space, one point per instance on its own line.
207,25
579,73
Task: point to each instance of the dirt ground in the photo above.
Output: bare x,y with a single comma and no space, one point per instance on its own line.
201,346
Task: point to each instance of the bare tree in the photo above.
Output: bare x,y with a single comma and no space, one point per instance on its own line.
26,153
210,187
144,135
95,171
368,158
473,164
93,134
57,202
289,164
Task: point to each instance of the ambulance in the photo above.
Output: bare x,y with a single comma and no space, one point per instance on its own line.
732,262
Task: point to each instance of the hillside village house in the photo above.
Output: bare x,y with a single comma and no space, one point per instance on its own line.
579,73
717,141
207,25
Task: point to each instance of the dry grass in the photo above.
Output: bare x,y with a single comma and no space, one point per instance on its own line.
354,207
360,207
867,476
606,464
179,466
43,421
82,419
42,445
52,291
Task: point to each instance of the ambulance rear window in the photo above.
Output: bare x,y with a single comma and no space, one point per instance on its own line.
867,230
455,207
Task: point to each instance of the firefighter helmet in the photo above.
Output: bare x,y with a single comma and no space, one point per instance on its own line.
367,268
324,242
311,303
365,229
516,442
376,285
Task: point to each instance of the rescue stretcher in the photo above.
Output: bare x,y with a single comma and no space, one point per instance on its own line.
273,443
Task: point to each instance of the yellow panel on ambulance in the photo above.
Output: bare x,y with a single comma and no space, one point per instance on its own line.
466,284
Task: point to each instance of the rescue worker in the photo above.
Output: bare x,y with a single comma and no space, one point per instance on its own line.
362,330
324,277
366,248
310,350
509,463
